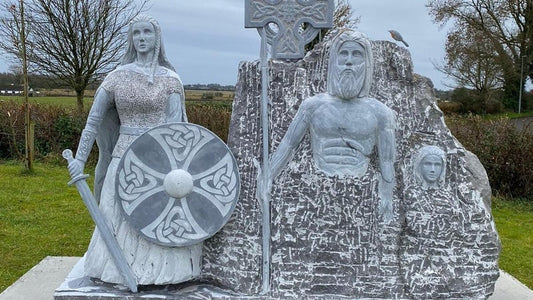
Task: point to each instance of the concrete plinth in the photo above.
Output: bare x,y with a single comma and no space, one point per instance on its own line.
42,280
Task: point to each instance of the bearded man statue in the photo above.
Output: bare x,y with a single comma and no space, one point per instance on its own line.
344,124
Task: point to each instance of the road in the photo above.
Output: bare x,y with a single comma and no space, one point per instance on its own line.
522,123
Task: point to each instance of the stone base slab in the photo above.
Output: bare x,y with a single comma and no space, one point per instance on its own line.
40,282
78,287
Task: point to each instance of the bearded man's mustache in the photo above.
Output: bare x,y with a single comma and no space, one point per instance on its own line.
347,75
347,71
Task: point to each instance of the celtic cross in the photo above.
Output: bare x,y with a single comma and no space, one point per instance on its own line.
289,16
288,42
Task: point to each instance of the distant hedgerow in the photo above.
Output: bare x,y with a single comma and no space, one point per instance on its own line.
59,127
505,151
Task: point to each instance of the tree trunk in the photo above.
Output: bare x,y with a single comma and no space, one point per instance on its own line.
79,100
511,92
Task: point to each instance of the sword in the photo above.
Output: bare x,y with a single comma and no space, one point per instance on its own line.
101,224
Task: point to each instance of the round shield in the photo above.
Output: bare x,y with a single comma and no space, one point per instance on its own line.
177,184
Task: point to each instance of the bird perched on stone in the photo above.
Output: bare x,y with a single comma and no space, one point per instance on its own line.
397,36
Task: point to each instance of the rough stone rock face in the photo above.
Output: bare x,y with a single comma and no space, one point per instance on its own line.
327,238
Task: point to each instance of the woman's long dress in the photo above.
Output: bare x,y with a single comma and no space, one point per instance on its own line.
139,104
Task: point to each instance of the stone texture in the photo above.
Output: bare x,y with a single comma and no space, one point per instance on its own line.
326,236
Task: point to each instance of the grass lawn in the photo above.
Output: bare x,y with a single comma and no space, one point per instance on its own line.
510,115
514,222
41,216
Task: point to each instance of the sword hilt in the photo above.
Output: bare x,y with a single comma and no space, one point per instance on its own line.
67,154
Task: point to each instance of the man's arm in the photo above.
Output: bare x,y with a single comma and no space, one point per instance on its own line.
387,154
285,150
387,145
291,140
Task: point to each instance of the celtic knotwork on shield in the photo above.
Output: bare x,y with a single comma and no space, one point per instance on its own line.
177,184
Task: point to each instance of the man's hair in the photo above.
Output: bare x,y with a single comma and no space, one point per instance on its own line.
344,36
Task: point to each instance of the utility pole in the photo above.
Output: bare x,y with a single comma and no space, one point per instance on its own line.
29,127
521,85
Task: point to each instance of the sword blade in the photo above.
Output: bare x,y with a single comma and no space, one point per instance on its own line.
102,226
107,235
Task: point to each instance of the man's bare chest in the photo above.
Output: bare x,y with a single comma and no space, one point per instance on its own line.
352,121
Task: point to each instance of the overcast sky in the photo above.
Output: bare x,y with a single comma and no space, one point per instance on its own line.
206,40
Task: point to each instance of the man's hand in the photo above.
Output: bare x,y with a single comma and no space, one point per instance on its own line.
385,201
264,182
264,185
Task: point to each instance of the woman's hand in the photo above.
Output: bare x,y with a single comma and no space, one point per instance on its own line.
75,168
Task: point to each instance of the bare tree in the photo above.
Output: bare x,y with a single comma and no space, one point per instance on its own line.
75,42
10,33
470,62
342,18
505,25
16,71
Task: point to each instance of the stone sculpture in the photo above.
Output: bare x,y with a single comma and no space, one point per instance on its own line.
431,224
430,167
329,238
438,257
345,124
361,206
177,184
288,16
162,190
321,190
288,42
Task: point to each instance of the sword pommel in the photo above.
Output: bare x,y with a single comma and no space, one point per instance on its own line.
67,154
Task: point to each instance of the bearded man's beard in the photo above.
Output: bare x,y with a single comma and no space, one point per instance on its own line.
349,82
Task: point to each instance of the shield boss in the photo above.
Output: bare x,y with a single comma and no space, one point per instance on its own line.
177,184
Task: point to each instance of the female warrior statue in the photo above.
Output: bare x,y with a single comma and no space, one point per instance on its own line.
143,92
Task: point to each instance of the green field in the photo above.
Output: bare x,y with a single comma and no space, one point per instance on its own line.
514,222
55,100
50,97
41,216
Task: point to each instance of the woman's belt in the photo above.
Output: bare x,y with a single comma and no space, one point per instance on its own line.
129,130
